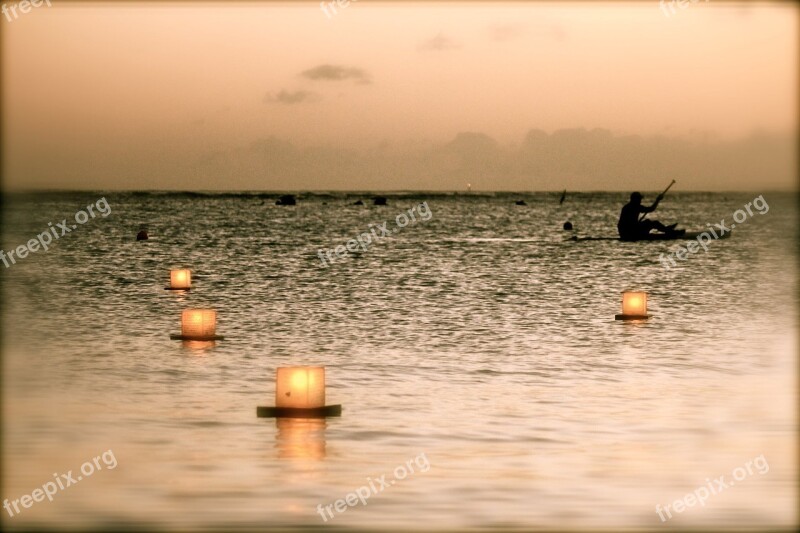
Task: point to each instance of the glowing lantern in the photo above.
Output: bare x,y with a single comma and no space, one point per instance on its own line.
300,393
634,306
301,386
198,325
180,279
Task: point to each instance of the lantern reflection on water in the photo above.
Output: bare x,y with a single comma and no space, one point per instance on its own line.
301,438
198,346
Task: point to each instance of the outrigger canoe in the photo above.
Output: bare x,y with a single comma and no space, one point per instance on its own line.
688,236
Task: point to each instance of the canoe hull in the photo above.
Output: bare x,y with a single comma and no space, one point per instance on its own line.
688,236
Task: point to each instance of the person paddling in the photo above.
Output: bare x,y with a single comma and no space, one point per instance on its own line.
632,228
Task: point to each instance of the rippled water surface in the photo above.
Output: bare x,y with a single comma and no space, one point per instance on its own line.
481,338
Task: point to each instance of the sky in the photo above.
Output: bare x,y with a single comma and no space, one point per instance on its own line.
400,96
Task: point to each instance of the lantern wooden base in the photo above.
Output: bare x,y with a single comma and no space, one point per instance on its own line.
298,412
193,338
177,289
631,317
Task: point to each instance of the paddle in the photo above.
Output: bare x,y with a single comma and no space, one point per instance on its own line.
662,194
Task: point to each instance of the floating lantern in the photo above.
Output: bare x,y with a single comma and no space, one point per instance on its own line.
302,387
634,306
198,325
180,279
300,393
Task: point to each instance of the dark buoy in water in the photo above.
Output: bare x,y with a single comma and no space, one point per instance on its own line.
520,202
358,202
142,235
380,200
286,199
568,225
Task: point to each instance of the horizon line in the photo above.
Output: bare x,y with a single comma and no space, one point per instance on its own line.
381,191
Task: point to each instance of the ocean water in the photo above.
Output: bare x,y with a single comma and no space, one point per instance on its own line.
476,345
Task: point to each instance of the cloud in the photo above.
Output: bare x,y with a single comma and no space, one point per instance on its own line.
440,42
578,159
469,142
336,73
575,158
287,97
